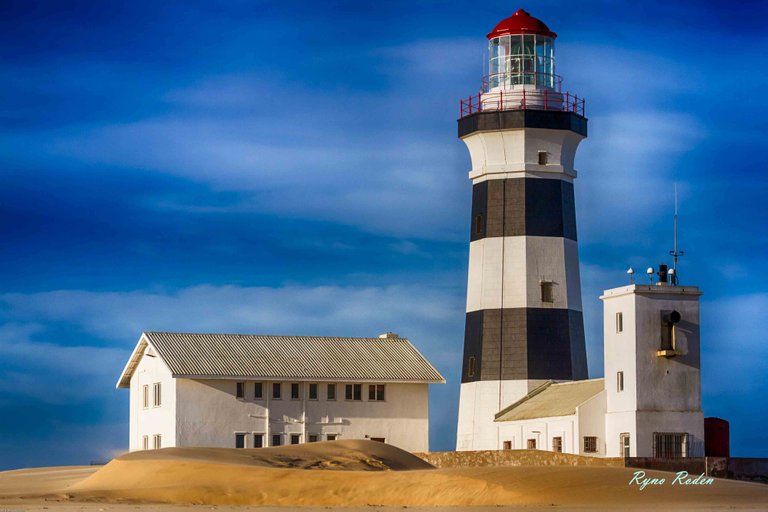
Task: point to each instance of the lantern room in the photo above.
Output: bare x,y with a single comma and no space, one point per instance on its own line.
521,70
521,51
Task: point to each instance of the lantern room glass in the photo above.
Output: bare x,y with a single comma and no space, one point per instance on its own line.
521,59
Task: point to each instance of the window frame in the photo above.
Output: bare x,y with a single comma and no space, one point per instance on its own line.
240,390
277,386
316,387
297,387
260,436
376,393
543,158
471,366
145,442
619,381
590,444
328,394
258,391
157,441
279,437
353,393
145,396
157,394
292,437
619,322
240,436
547,289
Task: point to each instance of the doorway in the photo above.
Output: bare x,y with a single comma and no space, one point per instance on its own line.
624,444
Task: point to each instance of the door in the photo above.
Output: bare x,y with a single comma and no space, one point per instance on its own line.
624,444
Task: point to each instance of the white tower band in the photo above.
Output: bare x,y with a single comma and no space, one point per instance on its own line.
524,321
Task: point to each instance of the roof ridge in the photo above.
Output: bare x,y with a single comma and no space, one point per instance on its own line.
275,335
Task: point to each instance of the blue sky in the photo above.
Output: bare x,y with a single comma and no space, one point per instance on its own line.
293,168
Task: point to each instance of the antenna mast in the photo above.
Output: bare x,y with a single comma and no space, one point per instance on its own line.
674,252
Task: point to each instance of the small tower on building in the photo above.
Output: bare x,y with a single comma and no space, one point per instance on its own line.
524,321
652,370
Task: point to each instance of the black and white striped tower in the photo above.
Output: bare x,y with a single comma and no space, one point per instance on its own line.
524,321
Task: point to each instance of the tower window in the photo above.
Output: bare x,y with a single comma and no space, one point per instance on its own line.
546,292
543,158
619,322
619,381
471,366
478,224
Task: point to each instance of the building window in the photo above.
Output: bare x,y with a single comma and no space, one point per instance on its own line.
332,437
240,391
478,224
277,390
295,394
157,395
145,442
376,393
295,438
670,445
471,366
157,441
546,292
239,440
590,444
531,444
313,391
313,438
624,444
543,157
353,392
277,439
507,445
258,440
619,322
557,444
331,391
258,390
619,381
145,396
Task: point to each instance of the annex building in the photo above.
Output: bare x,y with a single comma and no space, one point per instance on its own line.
249,391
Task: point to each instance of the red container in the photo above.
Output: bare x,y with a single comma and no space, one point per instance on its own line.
717,438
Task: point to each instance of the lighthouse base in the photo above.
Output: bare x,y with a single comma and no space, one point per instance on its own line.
479,402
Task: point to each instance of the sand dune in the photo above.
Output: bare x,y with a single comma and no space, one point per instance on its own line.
363,474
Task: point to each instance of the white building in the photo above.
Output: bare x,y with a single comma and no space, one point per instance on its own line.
648,404
221,390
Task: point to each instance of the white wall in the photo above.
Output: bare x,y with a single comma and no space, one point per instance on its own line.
542,430
499,154
209,414
152,420
478,404
591,422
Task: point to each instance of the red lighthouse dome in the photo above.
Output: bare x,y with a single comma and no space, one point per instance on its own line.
521,23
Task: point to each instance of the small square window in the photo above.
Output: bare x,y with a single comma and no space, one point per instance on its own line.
619,322
531,444
353,392
258,440
332,437
277,439
543,157
590,444
295,394
258,390
240,391
331,391
376,392
313,438
313,391
239,440
295,438
277,390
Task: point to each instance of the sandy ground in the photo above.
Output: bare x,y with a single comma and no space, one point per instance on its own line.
360,475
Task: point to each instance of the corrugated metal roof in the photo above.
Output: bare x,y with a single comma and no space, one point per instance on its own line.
285,357
551,399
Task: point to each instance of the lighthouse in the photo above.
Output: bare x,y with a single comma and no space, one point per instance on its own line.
524,322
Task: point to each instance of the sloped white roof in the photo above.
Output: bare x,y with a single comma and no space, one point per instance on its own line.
194,355
552,399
